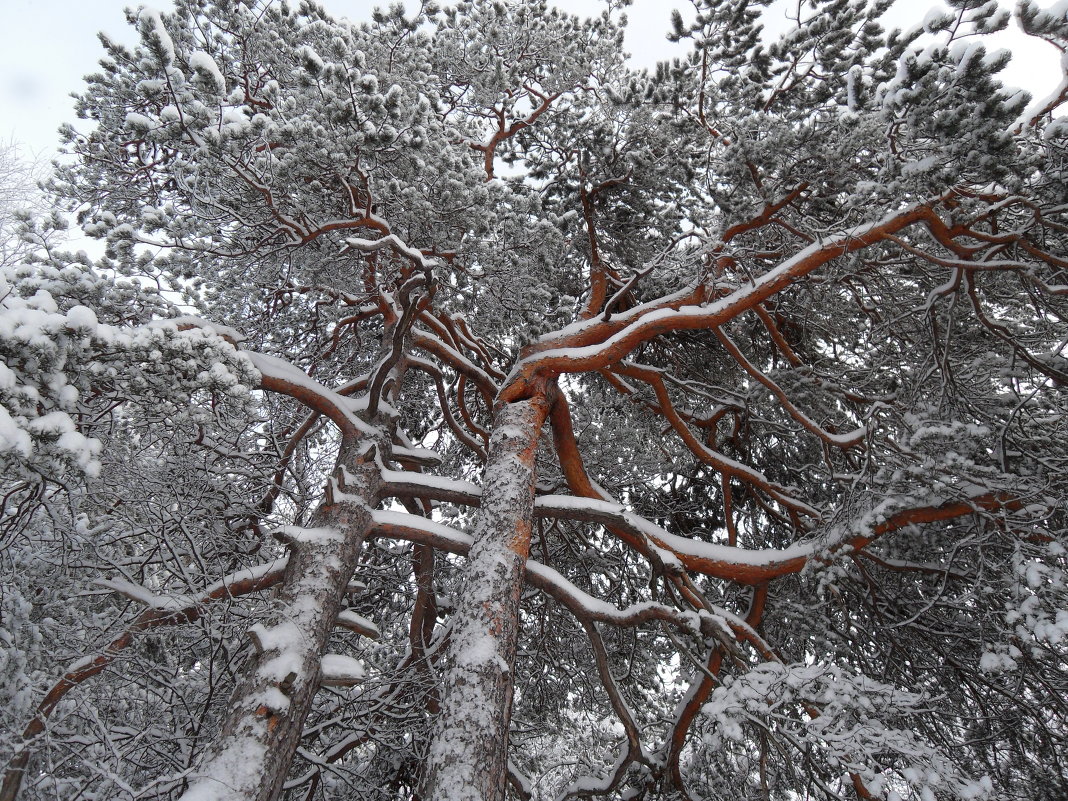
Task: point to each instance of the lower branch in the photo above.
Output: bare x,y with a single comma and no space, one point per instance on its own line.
243,582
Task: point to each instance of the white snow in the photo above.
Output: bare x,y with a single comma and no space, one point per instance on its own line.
418,455
586,603
936,18
203,63
139,122
356,622
187,321
341,670
299,534
281,370
280,637
143,595
391,241
435,485
672,542
231,773
155,19
248,574
991,662
82,319
444,534
12,436
919,166
308,54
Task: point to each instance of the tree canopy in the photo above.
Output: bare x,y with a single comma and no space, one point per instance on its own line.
459,413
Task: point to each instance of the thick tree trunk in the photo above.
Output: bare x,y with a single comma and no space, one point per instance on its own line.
468,758
250,758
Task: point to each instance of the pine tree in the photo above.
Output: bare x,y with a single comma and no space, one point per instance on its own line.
458,412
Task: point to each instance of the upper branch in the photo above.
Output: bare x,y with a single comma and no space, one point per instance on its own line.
597,344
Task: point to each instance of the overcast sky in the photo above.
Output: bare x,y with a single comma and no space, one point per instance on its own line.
46,46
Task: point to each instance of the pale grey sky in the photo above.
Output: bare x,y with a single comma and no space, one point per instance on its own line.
46,46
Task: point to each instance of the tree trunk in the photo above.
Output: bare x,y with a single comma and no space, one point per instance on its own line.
468,758
250,758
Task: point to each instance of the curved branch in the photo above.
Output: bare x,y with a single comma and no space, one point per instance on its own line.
710,456
489,149
844,441
597,344
278,375
446,410
701,688
161,611
458,362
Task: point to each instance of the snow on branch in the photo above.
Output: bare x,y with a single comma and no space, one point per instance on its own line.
358,624
391,242
188,322
674,553
404,484
598,344
281,376
756,566
160,611
451,356
403,526
339,670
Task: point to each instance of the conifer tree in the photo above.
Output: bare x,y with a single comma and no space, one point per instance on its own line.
459,413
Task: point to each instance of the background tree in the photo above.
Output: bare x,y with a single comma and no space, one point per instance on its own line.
557,427
22,204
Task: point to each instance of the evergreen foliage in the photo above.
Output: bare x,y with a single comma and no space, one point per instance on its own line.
756,362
